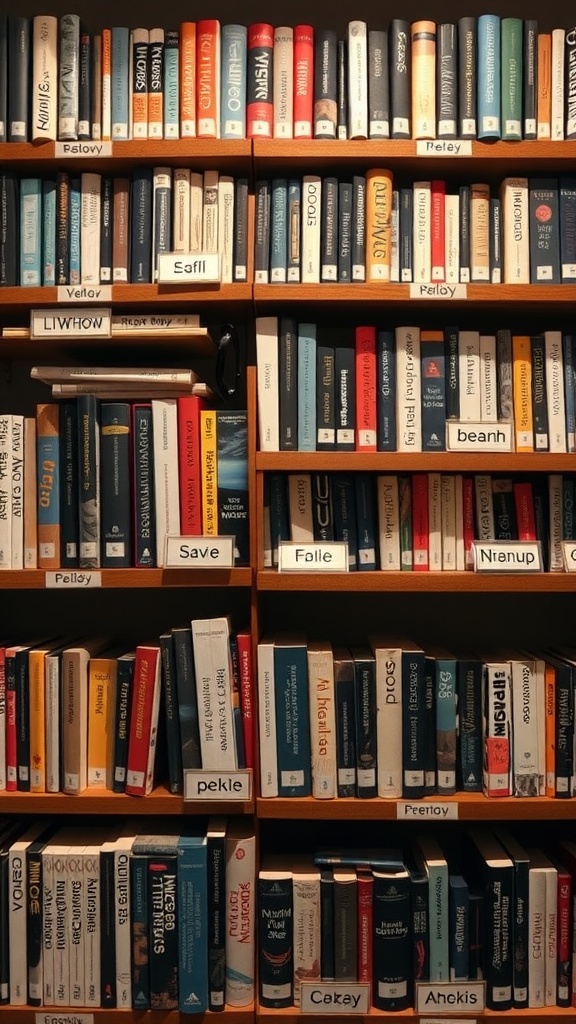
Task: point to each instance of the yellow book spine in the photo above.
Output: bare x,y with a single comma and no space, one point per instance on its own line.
102,674
209,479
423,52
36,680
480,232
522,388
378,224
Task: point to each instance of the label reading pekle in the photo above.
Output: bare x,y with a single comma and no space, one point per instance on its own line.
451,997
91,149
444,147
330,556
437,811
72,580
437,290
569,552
334,997
75,323
464,436
84,293
507,556
188,268
63,1018
204,785
199,553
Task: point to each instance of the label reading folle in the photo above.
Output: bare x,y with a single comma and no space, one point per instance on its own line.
327,556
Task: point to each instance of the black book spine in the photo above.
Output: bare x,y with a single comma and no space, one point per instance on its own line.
467,78
366,522
69,484
495,241
275,485
475,933
345,235
187,697
275,941
114,492
288,383
378,85
366,749
386,390
3,77
262,233
431,766
22,721
163,937
504,510
541,516
85,85
124,679
62,228
544,231
345,516
564,729
447,81
413,725
141,226
570,83
327,969
345,724
345,925
530,77
216,921
345,397
144,517
400,79
567,208
342,93
139,925
464,193
107,212
420,930
329,230
325,84
322,507
9,229
107,930
406,234
89,508
34,933
171,719
19,42
469,758
358,255
452,373
392,952
240,240
325,399
539,396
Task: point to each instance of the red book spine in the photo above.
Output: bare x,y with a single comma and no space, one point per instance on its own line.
420,524
365,346
189,464
468,516
259,84
247,694
438,241
365,886
141,719
564,936
524,502
303,100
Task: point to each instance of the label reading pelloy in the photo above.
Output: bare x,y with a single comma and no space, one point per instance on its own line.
63,1018
507,556
205,785
438,290
444,147
199,553
84,293
416,810
91,149
334,997
450,997
72,580
329,556
188,268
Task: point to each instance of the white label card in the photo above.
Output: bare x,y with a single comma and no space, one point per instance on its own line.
464,436
327,556
507,556
91,149
63,1018
451,997
205,785
437,290
569,552
334,997
73,580
84,293
444,147
73,323
417,810
199,553
188,268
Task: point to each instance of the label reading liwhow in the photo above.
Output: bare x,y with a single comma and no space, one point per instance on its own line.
450,997
334,997
437,811
64,1018
438,291
72,580
188,268
199,553
205,785
76,323
330,556
478,437
91,149
444,147
569,552
507,556
84,293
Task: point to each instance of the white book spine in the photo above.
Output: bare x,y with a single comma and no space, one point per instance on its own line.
434,522
68,76
469,375
515,217
210,211
484,506
306,914
536,938
225,227
448,521
52,704
488,379
389,721
17,540
551,945
223,694
357,38
459,497
122,926
44,85
452,237
166,486
322,720
91,864
61,949
283,82
526,728
300,510
76,924
555,391
497,728
311,217
16,914
206,693
241,910
181,210
388,522
267,720
267,383
408,390
48,928
555,506
558,84
421,235
196,210
5,491
90,211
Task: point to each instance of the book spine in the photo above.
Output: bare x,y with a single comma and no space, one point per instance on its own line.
544,231
262,232
171,112
208,72
187,85
378,85
240,909
329,231
378,231
423,50
68,76
311,227
192,894
511,43
366,381
84,83
366,728
345,239
357,75
386,390
400,78
234,49
325,84
259,97
278,230
342,89
275,939
44,85
119,83
291,698
529,83
489,63
467,94
162,899
140,43
303,82
392,941
345,389
283,82
446,81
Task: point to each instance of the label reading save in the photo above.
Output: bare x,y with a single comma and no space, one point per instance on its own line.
334,997
330,556
199,552
204,785
188,268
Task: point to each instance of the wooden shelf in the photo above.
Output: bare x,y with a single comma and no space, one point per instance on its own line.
548,1013
417,462
470,807
496,295
113,579
102,801
156,346
198,153
418,582
34,1014
143,296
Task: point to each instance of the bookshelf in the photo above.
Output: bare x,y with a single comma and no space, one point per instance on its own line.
437,604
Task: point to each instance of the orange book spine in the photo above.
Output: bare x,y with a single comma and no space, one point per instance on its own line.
36,682
550,728
48,486
378,224
480,232
120,232
102,673
106,84
544,87
522,390
208,78
423,53
188,80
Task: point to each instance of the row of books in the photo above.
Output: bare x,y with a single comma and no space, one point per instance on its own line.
399,388
371,228
482,77
391,718
88,713
101,229
420,522
120,915
92,482
484,907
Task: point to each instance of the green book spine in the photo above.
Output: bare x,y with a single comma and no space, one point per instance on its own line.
511,51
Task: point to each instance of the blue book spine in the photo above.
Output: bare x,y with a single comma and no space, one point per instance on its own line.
445,702
171,85
433,395
489,76
119,85
569,390
386,390
75,229
458,927
365,521
30,232
344,511
414,721
233,51
294,222
292,717
307,387
470,751
278,231
192,906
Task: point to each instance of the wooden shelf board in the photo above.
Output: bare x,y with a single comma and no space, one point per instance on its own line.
156,346
143,296
31,1015
415,462
418,582
159,802
486,295
471,807
113,579
196,153
548,1013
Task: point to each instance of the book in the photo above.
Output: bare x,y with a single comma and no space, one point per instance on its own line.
325,84
143,734
291,704
275,932
423,55
259,95
467,89
192,892
489,83
544,231
240,904
392,935
357,79
322,713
